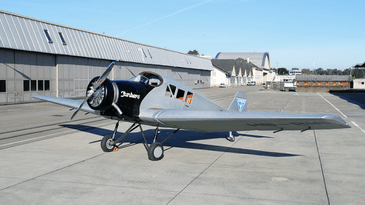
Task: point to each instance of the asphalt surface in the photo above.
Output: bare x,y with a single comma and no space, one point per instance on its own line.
47,159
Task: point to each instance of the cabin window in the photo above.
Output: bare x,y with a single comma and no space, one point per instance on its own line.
189,97
173,89
2,85
180,94
168,92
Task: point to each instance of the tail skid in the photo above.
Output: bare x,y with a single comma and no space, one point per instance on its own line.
239,102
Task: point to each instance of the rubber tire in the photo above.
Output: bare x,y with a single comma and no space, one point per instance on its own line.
105,146
155,151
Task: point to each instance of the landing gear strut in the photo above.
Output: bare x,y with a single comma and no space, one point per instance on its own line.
155,151
230,137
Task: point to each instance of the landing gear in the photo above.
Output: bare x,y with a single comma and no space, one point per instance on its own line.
230,137
155,151
107,143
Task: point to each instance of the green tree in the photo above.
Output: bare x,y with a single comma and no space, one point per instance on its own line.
283,71
358,73
346,71
306,71
194,52
320,71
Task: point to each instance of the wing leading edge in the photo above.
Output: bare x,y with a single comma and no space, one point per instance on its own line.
66,102
222,121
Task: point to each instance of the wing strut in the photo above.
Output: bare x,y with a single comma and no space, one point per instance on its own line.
306,129
278,130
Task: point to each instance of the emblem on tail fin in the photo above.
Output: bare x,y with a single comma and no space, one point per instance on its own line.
241,103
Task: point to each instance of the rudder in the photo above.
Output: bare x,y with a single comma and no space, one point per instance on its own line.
239,102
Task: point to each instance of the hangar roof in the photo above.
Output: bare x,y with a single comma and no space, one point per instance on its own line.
228,65
260,59
28,34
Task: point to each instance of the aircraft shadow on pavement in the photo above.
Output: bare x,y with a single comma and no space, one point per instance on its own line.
182,139
354,98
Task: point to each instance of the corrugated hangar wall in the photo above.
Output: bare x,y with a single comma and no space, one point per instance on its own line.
30,73
39,57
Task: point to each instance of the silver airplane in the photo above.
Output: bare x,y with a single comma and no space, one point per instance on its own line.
156,100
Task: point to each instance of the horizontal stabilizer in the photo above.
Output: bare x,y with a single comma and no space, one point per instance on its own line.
239,102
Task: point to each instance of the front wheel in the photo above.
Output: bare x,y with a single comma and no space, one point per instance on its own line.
155,151
107,143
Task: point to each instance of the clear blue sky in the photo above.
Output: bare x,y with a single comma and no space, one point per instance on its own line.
294,32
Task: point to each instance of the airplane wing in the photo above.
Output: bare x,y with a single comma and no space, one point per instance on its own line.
67,102
222,121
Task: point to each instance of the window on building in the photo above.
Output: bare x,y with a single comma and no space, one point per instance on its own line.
62,39
46,85
48,36
144,53
26,85
33,85
180,94
2,85
40,85
149,53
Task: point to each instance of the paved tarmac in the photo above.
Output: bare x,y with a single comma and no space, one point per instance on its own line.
47,159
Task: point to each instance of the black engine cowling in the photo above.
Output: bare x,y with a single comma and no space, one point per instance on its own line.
103,97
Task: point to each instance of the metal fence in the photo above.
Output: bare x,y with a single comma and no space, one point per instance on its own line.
274,85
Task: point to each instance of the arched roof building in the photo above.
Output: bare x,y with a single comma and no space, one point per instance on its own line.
260,59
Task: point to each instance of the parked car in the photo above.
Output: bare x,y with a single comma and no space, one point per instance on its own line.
251,83
222,85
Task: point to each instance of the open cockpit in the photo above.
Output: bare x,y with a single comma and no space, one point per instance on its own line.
148,78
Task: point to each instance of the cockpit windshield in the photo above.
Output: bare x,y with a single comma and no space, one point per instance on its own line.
148,78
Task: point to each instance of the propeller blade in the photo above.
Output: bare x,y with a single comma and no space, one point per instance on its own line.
96,86
103,76
78,109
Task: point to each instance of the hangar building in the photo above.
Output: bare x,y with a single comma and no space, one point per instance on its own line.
39,57
242,67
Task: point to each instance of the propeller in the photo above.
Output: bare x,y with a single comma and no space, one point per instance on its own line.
98,83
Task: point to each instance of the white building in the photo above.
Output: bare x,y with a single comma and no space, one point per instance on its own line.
219,76
359,83
295,71
242,67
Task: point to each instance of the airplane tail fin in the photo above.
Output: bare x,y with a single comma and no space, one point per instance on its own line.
239,102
